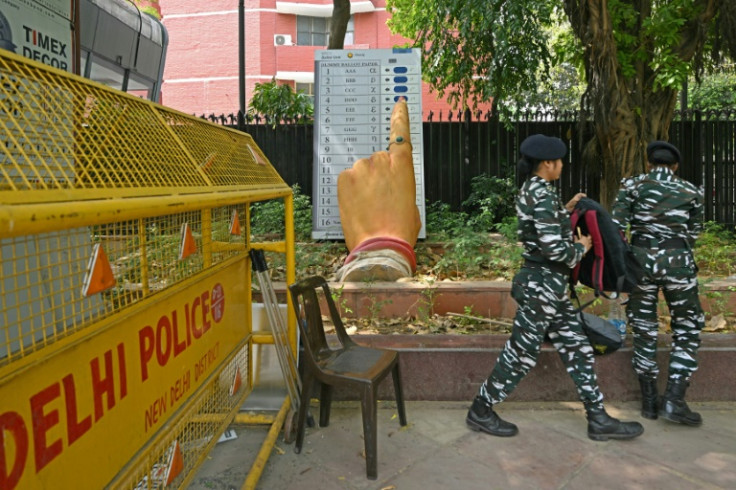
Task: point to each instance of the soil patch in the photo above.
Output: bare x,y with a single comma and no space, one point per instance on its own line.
454,324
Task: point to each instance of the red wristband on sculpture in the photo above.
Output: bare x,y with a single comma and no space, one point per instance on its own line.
386,242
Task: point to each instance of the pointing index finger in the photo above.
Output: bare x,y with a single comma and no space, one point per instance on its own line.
400,135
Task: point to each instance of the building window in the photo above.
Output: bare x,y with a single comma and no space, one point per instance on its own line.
315,31
350,33
311,31
106,72
307,88
139,86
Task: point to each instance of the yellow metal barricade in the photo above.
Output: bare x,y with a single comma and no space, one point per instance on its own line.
125,294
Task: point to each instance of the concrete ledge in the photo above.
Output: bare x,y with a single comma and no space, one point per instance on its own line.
452,367
491,299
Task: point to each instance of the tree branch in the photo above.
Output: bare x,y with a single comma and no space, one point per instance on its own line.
695,30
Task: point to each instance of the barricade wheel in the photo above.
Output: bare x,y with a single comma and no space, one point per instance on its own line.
290,427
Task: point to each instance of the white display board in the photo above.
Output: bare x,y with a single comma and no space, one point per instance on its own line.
38,29
355,93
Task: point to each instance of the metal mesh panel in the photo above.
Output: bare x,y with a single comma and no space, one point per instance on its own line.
40,290
62,135
60,131
195,431
226,239
41,293
221,154
163,248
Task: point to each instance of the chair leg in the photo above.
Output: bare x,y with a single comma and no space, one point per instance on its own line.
396,374
370,431
307,383
325,401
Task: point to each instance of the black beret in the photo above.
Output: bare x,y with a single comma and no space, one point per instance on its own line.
663,153
541,147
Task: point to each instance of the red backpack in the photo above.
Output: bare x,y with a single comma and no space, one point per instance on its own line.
610,266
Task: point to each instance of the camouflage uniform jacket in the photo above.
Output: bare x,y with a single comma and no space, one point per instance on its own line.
659,205
544,225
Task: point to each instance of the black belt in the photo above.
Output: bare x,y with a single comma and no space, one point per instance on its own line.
677,242
552,266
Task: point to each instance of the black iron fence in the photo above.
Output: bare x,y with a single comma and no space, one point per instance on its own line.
460,146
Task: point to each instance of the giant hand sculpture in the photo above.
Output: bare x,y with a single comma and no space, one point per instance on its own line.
378,210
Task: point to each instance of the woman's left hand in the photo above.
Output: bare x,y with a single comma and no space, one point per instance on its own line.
571,205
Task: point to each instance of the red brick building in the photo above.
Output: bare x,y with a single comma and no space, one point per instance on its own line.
201,74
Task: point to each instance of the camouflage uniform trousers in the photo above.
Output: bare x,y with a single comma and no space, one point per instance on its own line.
543,307
672,271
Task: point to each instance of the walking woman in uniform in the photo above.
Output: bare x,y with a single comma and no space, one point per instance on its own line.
665,217
540,289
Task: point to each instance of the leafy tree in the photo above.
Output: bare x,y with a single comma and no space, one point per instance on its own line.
636,55
279,102
716,92
563,87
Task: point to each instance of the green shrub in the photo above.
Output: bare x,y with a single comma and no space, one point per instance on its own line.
508,227
267,217
715,252
442,222
491,200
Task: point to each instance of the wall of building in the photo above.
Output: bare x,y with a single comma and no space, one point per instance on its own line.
202,71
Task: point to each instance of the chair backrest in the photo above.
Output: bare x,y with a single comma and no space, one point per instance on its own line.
306,301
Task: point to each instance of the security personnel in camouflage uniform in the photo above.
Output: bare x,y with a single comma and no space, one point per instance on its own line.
664,213
540,289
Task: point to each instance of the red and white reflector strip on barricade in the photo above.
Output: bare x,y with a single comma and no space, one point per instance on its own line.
237,381
256,156
99,276
174,464
235,223
187,246
164,472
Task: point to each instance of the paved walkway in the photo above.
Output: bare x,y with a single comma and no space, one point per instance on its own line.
437,451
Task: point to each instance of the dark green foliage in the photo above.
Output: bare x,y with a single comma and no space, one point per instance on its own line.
715,252
508,227
714,93
278,102
267,217
469,248
491,200
442,222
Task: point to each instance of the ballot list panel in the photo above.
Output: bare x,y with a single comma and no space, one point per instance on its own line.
355,93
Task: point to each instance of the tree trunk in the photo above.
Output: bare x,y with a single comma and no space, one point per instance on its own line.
621,136
339,24
627,111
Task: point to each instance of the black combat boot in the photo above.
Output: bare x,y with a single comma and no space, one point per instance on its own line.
649,398
674,407
481,417
602,426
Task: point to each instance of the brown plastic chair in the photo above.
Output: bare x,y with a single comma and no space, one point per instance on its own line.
348,365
